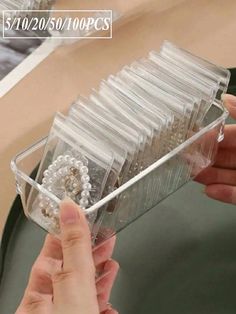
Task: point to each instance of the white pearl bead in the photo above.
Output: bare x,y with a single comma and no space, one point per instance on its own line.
46,173
60,159
67,158
50,168
44,181
83,170
78,164
85,194
85,179
60,172
54,167
87,186
72,161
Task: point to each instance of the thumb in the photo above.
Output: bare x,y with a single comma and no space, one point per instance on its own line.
75,238
74,285
230,103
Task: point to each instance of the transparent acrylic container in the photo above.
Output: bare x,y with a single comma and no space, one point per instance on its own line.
138,195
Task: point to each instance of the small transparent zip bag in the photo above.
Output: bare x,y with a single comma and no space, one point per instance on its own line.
201,67
118,106
134,140
145,132
83,122
72,166
208,89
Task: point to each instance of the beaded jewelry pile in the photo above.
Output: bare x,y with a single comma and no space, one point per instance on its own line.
67,176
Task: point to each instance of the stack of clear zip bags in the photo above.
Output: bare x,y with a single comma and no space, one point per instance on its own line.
132,142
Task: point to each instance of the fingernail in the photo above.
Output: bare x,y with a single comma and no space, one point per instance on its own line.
107,265
231,99
69,212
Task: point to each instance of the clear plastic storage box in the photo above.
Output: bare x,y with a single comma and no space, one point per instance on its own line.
139,194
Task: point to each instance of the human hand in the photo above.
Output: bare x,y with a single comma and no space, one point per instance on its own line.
62,279
220,179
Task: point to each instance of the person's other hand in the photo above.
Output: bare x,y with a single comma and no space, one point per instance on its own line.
220,179
63,280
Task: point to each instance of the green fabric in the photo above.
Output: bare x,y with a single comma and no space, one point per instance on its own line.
232,85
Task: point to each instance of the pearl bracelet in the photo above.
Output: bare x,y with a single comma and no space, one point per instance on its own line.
66,176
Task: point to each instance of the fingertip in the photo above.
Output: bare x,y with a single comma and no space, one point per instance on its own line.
221,192
105,284
110,269
104,251
70,212
212,191
112,266
230,103
228,98
68,202
110,242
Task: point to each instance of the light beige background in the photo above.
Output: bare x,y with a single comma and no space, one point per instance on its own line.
207,28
